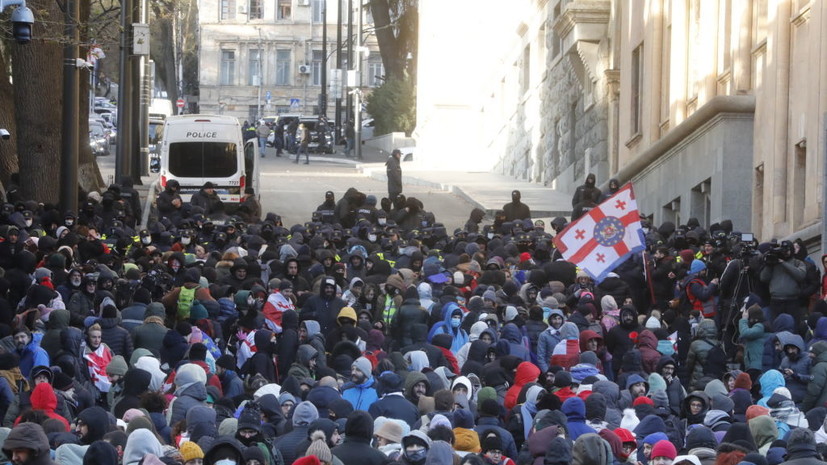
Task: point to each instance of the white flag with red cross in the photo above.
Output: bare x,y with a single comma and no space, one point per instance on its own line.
604,237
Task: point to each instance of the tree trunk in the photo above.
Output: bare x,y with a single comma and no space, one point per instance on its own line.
37,70
388,44
8,151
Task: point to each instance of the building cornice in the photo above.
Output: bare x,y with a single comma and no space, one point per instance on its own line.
582,12
733,104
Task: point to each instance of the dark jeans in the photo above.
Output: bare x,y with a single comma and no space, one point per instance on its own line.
790,306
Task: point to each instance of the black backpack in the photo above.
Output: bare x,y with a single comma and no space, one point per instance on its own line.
716,360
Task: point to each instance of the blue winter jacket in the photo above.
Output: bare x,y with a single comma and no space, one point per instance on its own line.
361,396
444,326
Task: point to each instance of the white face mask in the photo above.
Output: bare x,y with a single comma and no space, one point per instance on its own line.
225,462
28,223
490,236
382,221
146,240
185,240
372,237
69,222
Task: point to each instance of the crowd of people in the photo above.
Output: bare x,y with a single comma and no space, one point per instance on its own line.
372,335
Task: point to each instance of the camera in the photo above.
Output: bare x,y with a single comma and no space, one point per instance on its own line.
4,134
22,20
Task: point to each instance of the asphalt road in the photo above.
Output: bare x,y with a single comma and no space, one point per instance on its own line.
294,191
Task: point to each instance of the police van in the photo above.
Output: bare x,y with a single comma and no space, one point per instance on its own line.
200,148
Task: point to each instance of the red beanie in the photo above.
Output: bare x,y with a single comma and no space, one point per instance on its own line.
743,381
643,400
664,448
624,434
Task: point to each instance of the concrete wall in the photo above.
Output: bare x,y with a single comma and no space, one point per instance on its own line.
718,153
388,142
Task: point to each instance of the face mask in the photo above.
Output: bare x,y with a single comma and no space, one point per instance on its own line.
146,240
382,221
185,240
490,236
225,462
28,223
455,322
250,301
372,237
69,222
417,456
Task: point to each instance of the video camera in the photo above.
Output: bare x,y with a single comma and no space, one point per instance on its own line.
776,253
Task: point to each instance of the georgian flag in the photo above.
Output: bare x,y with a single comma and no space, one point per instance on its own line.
604,237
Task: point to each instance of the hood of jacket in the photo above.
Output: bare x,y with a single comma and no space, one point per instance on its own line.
512,334
647,339
575,409
27,436
591,449
610,390
559,451
136,381
527,372
43,397
347,312
769,381
586,336
305,354
763,429
707,330
411,379
821,328
787,338
141,443
538,442
313,328
783,322
97,421
477,329
425,292
648,425
569,331
58,319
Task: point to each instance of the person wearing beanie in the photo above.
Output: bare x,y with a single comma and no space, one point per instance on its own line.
492,450
112,334
393,404
663,453
699,293
701,442
795,366
752,333
389,438
27,444
356,448
191,454
361,390
319,448
231,384
801,448
304,414
489,421
466,439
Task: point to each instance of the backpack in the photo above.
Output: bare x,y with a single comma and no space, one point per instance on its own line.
716,360
185,300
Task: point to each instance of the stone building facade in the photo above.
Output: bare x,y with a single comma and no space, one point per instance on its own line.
248,48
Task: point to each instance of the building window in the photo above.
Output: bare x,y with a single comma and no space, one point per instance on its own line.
376,71
227,67
284,9
256,9
317,12
693,53
227,10
283,67
526,70
316,66
637,89
254,70
761,12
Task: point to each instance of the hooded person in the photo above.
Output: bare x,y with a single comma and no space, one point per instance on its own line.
558,452
701,442
451,324
816,394
190,391
706,338
527,372
466,440
356,447
591,449
549,338
139,444
764,432
440,453
566,353
91,424
489,411
801,448
619,339
27,444
575,410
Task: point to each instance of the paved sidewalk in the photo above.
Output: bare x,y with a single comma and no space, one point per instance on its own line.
488,191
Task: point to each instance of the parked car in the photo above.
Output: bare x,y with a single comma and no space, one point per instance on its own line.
98,139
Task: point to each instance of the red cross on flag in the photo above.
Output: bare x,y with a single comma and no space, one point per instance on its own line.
604,237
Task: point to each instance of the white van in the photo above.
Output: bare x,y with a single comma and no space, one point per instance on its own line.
200,148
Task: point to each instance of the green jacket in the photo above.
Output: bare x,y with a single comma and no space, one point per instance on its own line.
816,394
753,338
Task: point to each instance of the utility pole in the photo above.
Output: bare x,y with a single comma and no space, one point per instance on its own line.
357,104
71,95
122,154
323,96
260,75
338,67
140,105
349,102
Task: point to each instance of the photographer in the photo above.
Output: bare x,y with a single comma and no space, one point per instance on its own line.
784,274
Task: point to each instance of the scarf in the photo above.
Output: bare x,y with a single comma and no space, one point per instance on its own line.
14,377
97,360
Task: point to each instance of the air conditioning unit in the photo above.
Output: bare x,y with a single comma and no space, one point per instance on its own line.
304,2
304,69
